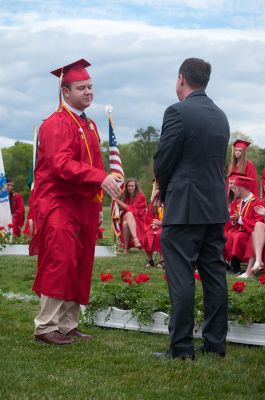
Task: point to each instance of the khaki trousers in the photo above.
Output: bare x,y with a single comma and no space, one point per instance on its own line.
56,314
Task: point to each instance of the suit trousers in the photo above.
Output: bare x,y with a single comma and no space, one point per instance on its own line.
56,314
185,246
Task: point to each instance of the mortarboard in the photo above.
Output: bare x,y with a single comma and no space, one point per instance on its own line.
73,72
235,175
242,144
243,181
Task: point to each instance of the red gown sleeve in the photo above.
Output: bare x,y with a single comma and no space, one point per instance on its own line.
252,218
19,212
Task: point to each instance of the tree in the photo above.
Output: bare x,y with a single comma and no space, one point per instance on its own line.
146,144
17,162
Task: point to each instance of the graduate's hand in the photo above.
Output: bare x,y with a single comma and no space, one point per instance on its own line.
234,218
111,186
260,210
100,218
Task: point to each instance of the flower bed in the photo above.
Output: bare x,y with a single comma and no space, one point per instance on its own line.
141,303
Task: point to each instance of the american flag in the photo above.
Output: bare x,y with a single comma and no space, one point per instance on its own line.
117,170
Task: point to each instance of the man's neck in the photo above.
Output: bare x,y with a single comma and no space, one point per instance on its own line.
73,109
246,196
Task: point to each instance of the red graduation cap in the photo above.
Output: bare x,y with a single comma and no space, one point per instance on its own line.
241,144
73,72
235,175
243,181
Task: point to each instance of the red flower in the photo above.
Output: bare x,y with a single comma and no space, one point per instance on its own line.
10,226
141,278
165,277
2,228
107,277
197,276
239,286
127,279
262,279
125,273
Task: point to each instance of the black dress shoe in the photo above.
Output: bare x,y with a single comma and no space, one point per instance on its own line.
168,355
204,350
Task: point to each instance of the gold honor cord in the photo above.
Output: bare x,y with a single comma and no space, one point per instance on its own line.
99,197
247,205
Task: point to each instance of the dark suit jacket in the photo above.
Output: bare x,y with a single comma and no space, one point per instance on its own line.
189,163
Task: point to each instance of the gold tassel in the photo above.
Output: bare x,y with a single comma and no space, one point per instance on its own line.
60,92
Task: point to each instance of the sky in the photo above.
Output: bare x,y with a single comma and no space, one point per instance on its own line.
135,48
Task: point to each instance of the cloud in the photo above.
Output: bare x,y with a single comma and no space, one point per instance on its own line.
134,67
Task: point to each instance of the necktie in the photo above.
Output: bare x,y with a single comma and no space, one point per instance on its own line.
83,116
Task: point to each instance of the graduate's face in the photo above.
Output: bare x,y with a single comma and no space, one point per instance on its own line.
131,187
238,153
10,186
79,95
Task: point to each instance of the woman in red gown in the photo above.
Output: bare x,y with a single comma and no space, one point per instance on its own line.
133,210
240,164
153,228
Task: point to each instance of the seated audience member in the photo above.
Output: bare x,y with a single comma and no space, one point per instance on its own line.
230,191
133,210
153,228
243,218
17,208
256,247
240,164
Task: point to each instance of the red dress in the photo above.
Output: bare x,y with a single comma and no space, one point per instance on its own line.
250,172
67,180
151,241
17,211
237,236
137,206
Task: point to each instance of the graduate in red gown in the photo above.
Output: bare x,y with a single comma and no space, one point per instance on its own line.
69,179
17,208
153,229
133,210
243,218
239,163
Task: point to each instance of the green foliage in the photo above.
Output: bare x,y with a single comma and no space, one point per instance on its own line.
17,162
146,298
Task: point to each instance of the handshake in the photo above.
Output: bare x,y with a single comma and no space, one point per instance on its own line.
111,185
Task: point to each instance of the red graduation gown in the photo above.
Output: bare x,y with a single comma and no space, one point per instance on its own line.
64,206
151,241
137,206
18,212
237,236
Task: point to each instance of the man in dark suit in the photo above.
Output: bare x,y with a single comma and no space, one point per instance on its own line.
189,167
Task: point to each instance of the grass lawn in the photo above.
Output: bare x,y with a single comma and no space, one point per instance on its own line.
117,364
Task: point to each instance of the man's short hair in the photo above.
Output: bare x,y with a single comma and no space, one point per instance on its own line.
196,72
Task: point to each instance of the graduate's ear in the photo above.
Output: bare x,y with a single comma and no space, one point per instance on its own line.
66,91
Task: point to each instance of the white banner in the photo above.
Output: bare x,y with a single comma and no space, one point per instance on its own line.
5,213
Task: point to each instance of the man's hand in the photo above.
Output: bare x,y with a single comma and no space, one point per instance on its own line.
111,186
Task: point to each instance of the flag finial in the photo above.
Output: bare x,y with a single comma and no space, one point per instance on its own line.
109,108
